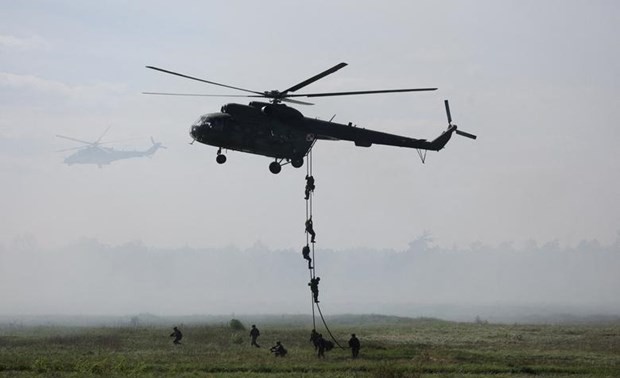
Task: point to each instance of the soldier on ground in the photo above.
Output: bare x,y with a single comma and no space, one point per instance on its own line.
314,287
254,333
278,350
305,251
328,345
354,344
314,337
321,344
177,336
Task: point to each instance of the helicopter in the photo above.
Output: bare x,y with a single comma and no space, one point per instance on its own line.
95,153
276,130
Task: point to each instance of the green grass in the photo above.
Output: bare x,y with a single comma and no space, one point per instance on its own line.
415,348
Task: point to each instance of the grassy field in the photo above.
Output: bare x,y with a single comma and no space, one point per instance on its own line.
405,348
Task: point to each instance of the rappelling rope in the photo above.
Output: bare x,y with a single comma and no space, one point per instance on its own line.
313,270
326,327
308,215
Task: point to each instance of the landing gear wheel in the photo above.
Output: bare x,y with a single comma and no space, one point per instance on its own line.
221,159
297,163
275,167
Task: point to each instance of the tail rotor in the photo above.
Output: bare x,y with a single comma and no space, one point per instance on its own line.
157,144
450,125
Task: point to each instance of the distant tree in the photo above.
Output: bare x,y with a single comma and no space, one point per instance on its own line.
25,243
480,321
421,243
589,246
134,321
530,246
236,325
552,246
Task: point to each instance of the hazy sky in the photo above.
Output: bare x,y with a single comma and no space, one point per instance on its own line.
537,81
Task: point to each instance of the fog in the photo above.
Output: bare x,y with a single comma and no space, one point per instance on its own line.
497,283
522,220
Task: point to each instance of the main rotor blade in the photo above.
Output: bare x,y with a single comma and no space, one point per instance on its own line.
296,101
196,94
102,135
74,139
71,149
463,133
315,78
361,92
212,95
448,111
119,140
204,81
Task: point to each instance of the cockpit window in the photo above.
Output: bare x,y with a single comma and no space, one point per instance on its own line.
201,121
212,121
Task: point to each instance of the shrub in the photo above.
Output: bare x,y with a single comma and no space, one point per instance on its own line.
236,325
237,339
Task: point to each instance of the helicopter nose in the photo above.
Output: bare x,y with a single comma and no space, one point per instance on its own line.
194,131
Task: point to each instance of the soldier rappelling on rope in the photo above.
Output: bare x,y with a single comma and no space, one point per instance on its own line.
305,251
310,229
309,185
314,287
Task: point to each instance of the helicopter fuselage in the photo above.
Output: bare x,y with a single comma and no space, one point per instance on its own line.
282,132
105,155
